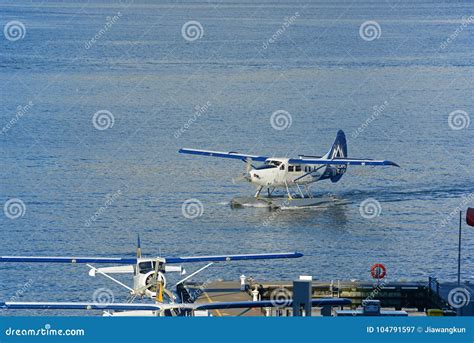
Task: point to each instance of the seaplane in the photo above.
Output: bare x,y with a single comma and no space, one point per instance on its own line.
289,173
149,281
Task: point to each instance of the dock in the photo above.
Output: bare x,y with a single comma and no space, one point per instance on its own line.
219,291
462,296
416,298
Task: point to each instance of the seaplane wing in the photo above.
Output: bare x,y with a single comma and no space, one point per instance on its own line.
222,154
77,306
313,161
67,259
157,307
218,258
118,260
343,161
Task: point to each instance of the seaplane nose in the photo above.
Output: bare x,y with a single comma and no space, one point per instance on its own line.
254,176
248,176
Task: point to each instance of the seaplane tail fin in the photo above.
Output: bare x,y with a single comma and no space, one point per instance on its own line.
339,147
338,150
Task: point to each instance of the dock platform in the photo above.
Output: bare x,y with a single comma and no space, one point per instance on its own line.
416,297
219,291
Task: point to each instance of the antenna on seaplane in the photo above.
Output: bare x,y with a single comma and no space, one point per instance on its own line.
139,249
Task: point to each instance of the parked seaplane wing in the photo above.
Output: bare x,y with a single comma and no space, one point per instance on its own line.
218,258
76,306
222,154
118,260
156,307
343,161
68,259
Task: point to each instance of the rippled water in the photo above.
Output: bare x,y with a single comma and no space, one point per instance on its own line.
392,95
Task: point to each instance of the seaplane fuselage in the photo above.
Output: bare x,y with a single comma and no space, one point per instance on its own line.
278,172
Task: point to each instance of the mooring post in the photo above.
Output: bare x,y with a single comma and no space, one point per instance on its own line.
255,294
302,296
243,285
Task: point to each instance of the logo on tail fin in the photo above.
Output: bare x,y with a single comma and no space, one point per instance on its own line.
338,150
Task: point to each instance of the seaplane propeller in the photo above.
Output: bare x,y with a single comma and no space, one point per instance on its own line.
246,175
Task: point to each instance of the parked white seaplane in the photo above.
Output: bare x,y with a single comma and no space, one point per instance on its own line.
283,172
148,281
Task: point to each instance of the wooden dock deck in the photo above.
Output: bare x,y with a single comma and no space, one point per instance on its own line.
225,291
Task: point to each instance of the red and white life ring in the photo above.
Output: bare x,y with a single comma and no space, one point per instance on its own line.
378,271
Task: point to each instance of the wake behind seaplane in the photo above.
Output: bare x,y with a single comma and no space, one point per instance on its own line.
149,281
283,172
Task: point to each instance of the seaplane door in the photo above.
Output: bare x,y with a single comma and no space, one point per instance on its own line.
281,175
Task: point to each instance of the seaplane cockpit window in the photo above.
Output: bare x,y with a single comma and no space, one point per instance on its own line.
298,168
273,163
269,164
282,167
291,168
145,267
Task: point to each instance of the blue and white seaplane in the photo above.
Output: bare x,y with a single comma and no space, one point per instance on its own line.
148,281
283,172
